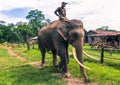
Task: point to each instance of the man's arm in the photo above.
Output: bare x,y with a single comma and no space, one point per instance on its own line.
56,12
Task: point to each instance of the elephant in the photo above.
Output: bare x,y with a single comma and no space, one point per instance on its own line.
56,37
32,42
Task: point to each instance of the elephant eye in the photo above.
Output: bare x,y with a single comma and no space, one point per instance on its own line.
75,35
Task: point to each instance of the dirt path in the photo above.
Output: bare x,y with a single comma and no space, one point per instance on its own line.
12,53
70,81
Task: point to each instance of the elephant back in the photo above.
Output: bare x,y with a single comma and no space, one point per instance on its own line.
54,24
50,27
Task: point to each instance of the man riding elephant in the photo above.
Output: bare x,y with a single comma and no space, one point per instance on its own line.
61,12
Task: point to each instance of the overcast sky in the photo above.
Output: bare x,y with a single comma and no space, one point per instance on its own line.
93,13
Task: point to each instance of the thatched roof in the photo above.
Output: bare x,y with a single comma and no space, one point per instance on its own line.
104,33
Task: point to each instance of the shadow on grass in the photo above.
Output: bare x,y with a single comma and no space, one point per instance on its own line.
28,75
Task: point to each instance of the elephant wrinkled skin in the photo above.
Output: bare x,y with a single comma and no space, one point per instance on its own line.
56,37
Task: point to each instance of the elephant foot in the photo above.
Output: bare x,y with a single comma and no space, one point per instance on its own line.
56,65
42,65
66,75
60,65
86,80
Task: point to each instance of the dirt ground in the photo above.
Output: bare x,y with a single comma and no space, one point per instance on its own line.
70,81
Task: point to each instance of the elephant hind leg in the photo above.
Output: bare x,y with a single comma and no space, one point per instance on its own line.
55,58
43,51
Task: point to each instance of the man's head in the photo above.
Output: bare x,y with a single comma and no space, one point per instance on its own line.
63,4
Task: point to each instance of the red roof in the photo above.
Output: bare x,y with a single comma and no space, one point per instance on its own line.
104,33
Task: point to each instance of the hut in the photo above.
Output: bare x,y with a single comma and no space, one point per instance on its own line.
107,36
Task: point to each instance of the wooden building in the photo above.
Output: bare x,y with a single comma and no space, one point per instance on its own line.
95,35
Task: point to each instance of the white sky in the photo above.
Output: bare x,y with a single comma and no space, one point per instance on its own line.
93,13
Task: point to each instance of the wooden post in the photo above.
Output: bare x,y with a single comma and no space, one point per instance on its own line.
102,55
110,51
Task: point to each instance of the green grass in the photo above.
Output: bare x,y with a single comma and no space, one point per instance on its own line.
28,75
107,73
7,61
111,60
17,72
3,53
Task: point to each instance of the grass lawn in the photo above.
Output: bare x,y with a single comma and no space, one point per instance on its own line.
17,72
103,74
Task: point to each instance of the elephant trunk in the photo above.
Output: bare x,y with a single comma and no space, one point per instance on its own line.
78,47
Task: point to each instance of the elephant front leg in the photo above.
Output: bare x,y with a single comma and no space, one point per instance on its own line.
63,64
67,55
65,73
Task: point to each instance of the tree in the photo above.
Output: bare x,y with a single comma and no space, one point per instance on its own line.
24,32
2,27
105,28
11,36
2,22
6,33
47,21
36,20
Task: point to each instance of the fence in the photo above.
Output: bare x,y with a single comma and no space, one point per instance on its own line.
102,56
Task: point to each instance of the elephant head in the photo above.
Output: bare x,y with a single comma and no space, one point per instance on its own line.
72,31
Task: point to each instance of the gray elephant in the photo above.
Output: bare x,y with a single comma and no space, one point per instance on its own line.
56,37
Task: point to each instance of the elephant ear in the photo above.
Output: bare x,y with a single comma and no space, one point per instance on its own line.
61,34
62,31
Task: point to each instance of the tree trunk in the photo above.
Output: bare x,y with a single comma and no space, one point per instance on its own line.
27,42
